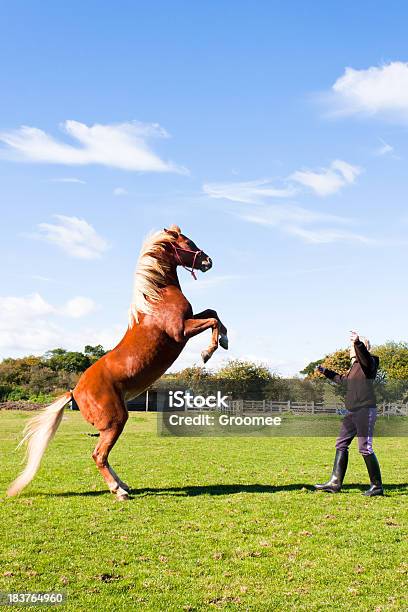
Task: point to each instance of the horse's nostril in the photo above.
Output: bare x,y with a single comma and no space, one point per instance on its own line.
206,264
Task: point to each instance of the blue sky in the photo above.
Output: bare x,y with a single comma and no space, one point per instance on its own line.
274,134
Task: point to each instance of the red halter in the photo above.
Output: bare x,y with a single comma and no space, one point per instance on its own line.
196,253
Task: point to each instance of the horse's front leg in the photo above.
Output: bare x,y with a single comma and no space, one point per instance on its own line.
210,313
193,327
198,324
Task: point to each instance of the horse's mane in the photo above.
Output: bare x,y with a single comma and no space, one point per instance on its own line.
152,267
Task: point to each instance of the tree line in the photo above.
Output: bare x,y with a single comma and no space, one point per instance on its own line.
39,379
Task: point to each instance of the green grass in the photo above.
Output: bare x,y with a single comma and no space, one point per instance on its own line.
214,523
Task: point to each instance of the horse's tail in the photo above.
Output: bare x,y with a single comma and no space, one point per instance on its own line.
39,431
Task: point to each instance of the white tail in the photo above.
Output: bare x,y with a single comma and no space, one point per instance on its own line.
39,432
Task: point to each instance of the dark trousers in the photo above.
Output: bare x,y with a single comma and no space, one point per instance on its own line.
361,424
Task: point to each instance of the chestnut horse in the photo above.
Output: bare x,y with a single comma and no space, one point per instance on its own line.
161,321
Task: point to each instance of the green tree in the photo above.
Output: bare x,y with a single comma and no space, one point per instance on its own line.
305,390
392,379
54,353
42,380
195,378
94,352
310,369
393,359
70,361
277,389
5,390
339,362
18,371
18,393
244,379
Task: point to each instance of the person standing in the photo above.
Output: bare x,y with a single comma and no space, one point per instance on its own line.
360,418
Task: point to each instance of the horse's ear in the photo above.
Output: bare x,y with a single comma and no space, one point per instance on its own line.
173,230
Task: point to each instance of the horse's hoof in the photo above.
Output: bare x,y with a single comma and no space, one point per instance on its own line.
223,341
123,496
205,355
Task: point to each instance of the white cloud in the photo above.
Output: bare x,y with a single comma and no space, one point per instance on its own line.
327,235
323,182
310,226
378,90
78,307
280,214
41,278
29,324
250,192
68,180
123,146
384,149
34,306
296,222
74,236
42,335
23,308
327,181
120,191
27,339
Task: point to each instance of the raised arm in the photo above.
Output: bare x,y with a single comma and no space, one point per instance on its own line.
331,375
364,357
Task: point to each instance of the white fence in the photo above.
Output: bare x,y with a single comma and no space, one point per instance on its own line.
247,406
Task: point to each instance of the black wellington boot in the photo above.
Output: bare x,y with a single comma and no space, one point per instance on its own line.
374,472
339,469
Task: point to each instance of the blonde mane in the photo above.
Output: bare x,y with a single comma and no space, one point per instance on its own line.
151,270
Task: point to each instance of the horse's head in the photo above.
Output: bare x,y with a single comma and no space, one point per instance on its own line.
186,253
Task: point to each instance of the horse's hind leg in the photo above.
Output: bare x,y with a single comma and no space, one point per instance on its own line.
120,482
107,439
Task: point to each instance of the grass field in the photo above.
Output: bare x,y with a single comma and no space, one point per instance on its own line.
214,523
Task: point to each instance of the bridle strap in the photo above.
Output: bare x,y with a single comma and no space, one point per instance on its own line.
180,261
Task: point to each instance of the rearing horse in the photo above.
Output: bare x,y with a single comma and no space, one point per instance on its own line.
161,321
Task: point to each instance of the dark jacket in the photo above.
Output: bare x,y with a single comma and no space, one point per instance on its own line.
359,379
